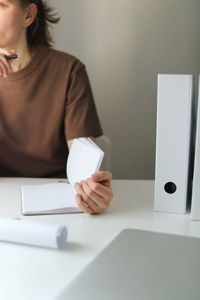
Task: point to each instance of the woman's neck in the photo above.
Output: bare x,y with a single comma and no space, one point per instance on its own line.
24,57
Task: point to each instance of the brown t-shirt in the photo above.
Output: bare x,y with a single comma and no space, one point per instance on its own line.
42,106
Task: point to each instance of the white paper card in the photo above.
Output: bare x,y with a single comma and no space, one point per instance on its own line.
83,161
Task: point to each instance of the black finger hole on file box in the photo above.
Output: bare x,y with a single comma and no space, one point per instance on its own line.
170,187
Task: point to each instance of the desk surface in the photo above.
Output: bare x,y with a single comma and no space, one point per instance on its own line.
28,272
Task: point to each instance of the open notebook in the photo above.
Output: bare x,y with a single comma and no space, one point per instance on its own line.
84,159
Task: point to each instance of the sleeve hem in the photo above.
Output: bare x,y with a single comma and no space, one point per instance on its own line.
95,132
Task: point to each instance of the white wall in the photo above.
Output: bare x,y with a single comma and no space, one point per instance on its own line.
124,44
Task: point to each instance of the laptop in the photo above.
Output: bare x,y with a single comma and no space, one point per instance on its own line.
141,265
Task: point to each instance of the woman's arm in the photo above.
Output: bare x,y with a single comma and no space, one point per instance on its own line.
94,194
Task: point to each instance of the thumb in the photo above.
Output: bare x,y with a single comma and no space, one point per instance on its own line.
13,51
102,176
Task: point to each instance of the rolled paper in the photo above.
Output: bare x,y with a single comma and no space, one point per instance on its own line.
33,233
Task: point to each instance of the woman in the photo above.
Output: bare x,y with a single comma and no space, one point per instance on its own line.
45,102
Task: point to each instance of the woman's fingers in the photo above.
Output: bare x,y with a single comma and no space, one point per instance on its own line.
100,202
100,189
102,176
96,192
5,65
6,52
83,206
91,204
13,51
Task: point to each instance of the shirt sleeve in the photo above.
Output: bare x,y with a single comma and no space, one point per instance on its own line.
81,118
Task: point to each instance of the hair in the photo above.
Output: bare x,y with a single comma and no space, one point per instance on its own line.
38,32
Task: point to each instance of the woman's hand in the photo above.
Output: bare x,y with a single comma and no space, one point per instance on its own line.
95,194
5,65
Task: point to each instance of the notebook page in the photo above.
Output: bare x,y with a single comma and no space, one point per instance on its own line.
50,196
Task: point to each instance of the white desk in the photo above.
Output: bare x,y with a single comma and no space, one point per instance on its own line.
28,272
